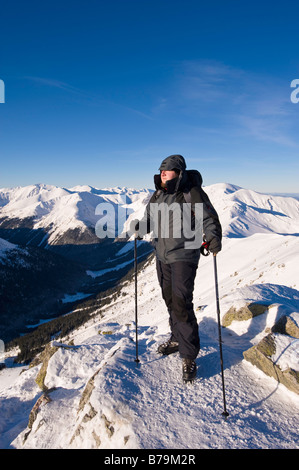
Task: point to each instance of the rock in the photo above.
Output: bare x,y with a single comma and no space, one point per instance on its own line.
246,312
44,357
260,356
287,326
42,400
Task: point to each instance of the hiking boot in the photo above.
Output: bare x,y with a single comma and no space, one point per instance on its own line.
169,347
189,370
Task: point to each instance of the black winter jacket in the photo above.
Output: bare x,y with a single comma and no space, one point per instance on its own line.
173,245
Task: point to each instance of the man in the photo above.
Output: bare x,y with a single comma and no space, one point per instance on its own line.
176,261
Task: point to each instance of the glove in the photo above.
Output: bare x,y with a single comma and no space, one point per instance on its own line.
215,245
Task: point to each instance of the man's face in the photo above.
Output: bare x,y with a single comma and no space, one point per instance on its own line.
167,175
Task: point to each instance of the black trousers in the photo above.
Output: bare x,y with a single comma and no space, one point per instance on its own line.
177,284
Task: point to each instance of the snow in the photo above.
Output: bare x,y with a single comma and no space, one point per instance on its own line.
145,405
287,352
102,272
72,298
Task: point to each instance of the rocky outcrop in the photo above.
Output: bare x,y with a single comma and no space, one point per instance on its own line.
261,356
286,326
44,358
246,312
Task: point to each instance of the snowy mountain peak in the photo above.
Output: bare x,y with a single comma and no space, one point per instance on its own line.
244,212
225,188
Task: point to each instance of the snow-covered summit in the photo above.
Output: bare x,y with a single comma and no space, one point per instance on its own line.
244,212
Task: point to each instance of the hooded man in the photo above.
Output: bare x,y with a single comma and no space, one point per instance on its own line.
177,258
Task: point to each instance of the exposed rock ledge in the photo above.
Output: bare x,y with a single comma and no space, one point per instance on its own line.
261,355
244,313
264,354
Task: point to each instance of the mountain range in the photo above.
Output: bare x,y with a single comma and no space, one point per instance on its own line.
48,216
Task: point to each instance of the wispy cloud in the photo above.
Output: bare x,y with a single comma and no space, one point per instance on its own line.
239,101
208,81
91,99
50,82
266,130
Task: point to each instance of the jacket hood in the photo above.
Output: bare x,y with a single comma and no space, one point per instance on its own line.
173,162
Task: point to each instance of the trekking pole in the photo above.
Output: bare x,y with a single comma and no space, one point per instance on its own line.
136,309
225,413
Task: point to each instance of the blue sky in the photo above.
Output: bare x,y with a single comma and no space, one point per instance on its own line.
99,92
